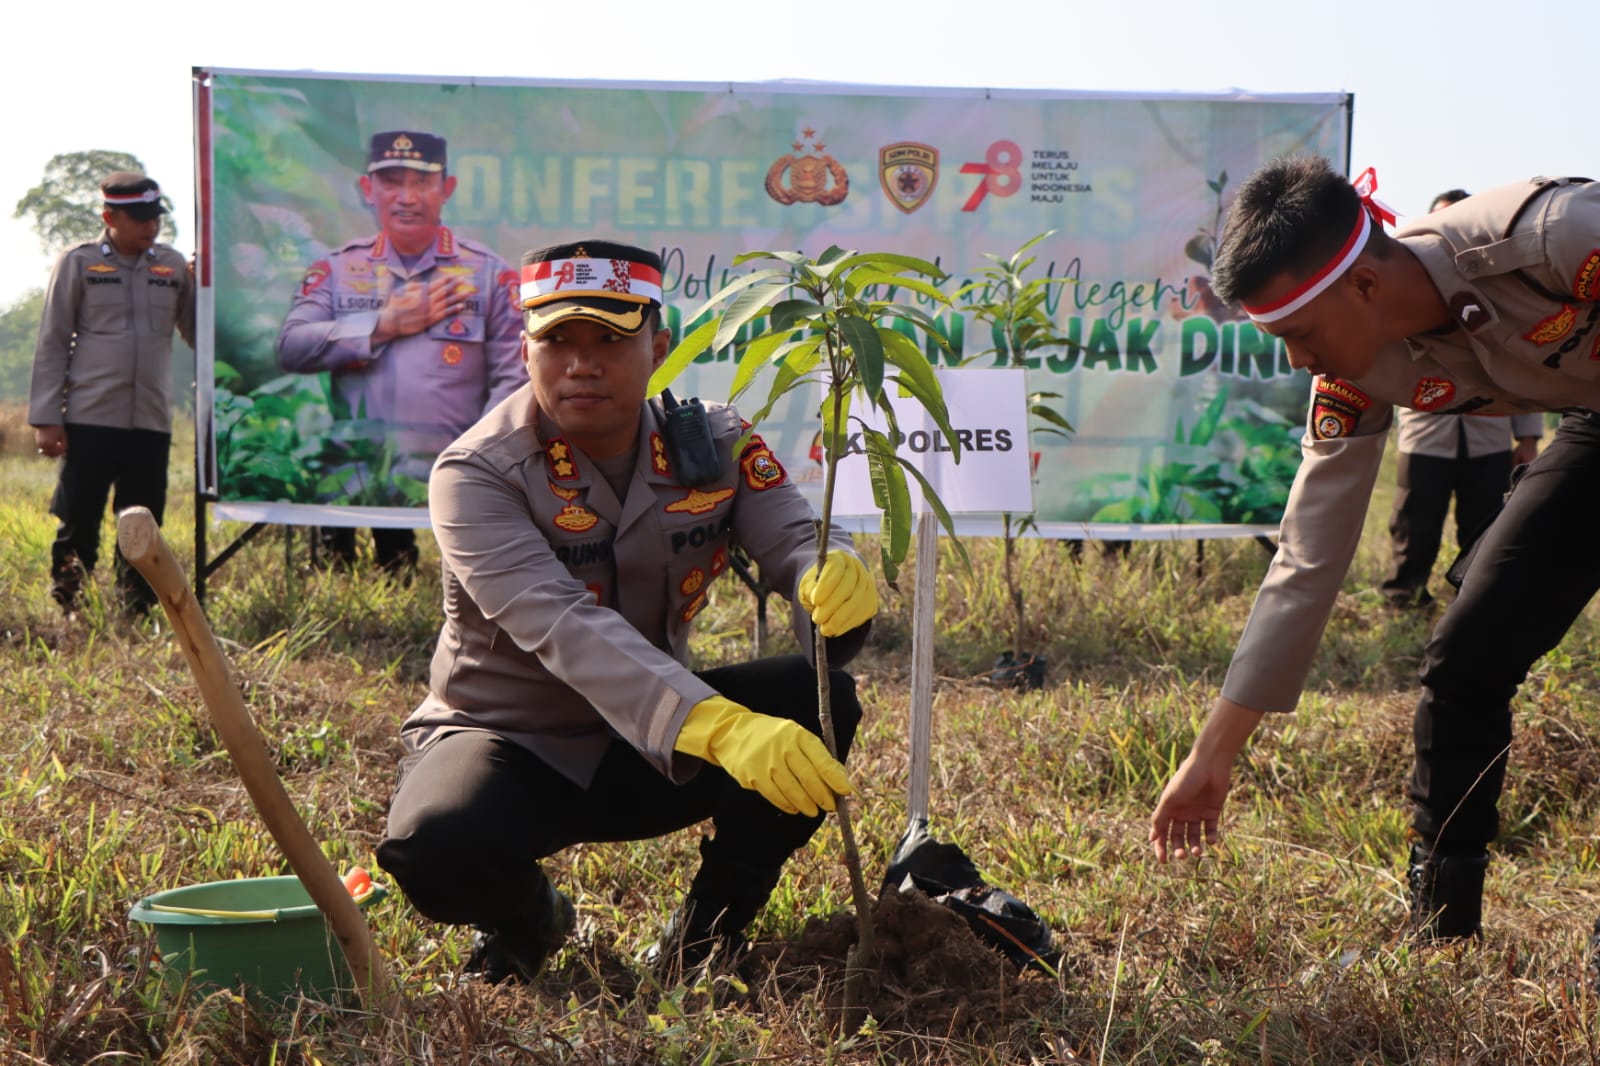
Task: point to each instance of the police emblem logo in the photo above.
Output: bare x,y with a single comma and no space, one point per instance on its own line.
697,502
761,468
456,327
403,143
1586,285
692,583
696,605
1432,393
812,179
1336,408
451,355
575,519
161,271
315,276
1553,328
908,172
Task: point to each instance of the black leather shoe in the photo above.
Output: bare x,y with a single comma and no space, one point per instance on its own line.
520,953
1446,893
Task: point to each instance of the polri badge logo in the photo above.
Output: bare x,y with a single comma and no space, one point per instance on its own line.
812,179
908,172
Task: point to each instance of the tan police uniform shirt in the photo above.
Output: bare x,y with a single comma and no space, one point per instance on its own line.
567,612
1519,268
1442,436
421,390
104,356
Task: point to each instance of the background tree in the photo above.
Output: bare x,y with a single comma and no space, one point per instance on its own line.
19,331
65,206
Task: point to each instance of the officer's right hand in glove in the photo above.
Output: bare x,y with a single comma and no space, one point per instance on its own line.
841,597
780,759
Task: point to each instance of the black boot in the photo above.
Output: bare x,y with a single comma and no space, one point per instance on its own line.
1446,893
517,948
708,926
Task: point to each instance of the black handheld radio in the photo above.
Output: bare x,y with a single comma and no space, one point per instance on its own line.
690,446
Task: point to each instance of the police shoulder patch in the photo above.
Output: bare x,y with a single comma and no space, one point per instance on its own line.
1586,285
761,468
1336,407
1432,393
315,276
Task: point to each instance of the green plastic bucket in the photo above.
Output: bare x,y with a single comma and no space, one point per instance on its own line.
261,932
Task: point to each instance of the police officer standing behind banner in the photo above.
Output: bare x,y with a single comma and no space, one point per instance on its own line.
101,394
1469,457
1491,305
417,326
581,527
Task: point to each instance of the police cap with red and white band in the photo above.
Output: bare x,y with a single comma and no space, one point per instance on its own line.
617,285
134,193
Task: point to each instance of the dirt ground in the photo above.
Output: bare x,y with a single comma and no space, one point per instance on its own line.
935,978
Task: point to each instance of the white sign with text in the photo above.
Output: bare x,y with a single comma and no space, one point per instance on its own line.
994,471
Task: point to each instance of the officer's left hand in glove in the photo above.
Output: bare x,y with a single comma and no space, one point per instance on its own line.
840,598
778,758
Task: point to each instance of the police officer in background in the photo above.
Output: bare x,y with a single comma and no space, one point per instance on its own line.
580,534
1465,456
418,327
101,393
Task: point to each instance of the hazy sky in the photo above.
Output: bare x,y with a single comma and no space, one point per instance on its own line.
1445,94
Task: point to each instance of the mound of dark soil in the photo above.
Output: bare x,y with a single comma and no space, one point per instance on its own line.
934,977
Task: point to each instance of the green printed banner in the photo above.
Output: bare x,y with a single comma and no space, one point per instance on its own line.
328,379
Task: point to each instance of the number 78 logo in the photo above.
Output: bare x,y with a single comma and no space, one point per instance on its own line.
1001,173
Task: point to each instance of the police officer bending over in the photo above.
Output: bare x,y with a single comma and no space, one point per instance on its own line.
1490,306
579,539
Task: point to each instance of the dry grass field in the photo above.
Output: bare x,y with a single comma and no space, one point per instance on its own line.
1287,946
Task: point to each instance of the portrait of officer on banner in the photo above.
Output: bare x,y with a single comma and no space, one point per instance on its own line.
415,328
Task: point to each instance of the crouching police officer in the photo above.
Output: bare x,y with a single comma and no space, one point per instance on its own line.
580,530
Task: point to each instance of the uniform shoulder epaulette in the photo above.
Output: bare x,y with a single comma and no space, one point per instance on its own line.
361,243
476,246
725,420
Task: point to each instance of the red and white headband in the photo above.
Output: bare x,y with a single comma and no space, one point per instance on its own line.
614,279
1373,210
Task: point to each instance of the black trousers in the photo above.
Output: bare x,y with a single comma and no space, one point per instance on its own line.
1533,571
133,463
395,550
473,814
1423,487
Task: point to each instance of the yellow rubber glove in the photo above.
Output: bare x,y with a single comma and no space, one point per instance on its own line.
778,758
842,597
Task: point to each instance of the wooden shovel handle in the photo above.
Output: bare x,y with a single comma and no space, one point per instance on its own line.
140,541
